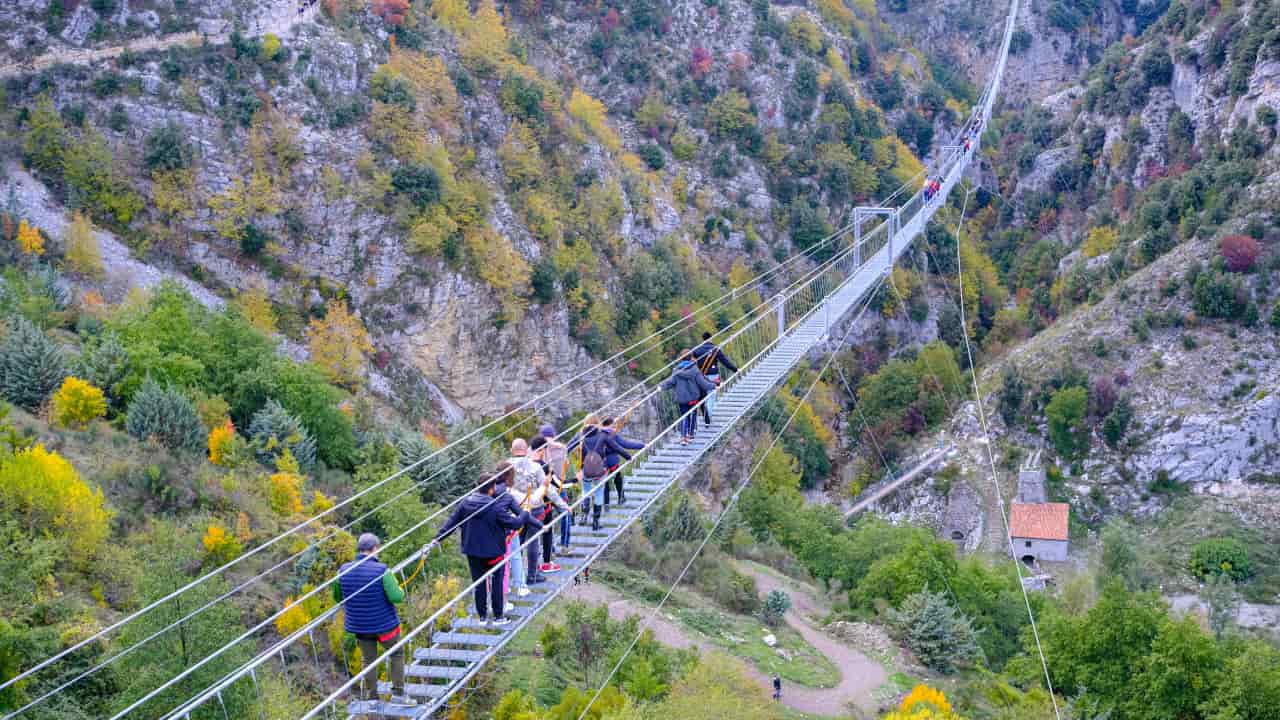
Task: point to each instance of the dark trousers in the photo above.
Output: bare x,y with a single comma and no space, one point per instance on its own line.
617,485
531,552
369,652
489,591
689,423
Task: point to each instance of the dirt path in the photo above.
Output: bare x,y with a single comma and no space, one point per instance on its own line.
859,675
279,18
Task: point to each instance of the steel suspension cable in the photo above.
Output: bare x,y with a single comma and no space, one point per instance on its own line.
724,512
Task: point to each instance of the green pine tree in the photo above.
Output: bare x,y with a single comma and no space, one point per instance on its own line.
166,415
31,365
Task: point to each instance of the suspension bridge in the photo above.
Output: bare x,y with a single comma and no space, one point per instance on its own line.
827,285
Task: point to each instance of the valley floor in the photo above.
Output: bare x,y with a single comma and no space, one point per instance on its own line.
860,676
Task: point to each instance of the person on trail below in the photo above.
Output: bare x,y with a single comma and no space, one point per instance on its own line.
928,190
555,455
710,359
485,517
596,443
369,594
777,687
535,493
612,460
690,386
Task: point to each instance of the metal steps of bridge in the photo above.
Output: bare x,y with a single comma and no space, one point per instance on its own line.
456,655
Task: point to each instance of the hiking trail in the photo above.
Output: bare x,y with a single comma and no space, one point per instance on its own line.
279,18
859,674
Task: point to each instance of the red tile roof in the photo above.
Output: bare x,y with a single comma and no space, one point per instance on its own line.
1039,521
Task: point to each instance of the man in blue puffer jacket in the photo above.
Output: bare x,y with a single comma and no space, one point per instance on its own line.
369,594
690,386
486,517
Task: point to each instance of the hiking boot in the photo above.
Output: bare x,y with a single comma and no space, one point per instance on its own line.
501,622
549,567
522,592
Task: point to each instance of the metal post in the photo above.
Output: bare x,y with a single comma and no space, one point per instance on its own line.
782,316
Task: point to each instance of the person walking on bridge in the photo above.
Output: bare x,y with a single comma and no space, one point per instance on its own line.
690,385
485,517
595,445
555,455
710,359
613,460
369,594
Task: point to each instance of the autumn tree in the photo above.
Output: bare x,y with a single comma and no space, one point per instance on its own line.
83,255
77,403
1239,252
339,343
255,306
392,12
43,493
699,61
30,241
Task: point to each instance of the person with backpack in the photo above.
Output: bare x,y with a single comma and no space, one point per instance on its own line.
594,444
529,489
555,455
710,358
533,484
777,688
613,460
369,593
485,517
690,385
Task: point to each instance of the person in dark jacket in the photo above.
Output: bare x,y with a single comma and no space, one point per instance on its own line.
777,687
595,440
710,358
369,594
690,385
613,460
485,518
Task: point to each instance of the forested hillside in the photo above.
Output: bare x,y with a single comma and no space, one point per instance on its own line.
259,256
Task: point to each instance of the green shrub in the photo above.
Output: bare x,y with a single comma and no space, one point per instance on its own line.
166,415
939,635
31,365
420,183
1225,556
1066,414
273,431
1215,295
652,156
776,605
166,148
1117,422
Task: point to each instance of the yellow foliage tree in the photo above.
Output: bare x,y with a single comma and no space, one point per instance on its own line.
256,308
29,240
292,619
434,91
592,114
339,343
496,262
285,491
431,230
1101,240
84,257
77,403
923,703
484,45
220,547
43,493
174,193
222,439
270,46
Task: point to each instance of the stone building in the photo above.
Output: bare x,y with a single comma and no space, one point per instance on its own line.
1039,531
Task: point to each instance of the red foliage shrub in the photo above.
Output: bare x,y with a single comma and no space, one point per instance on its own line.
1239,252
392,12
700,62
610,21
